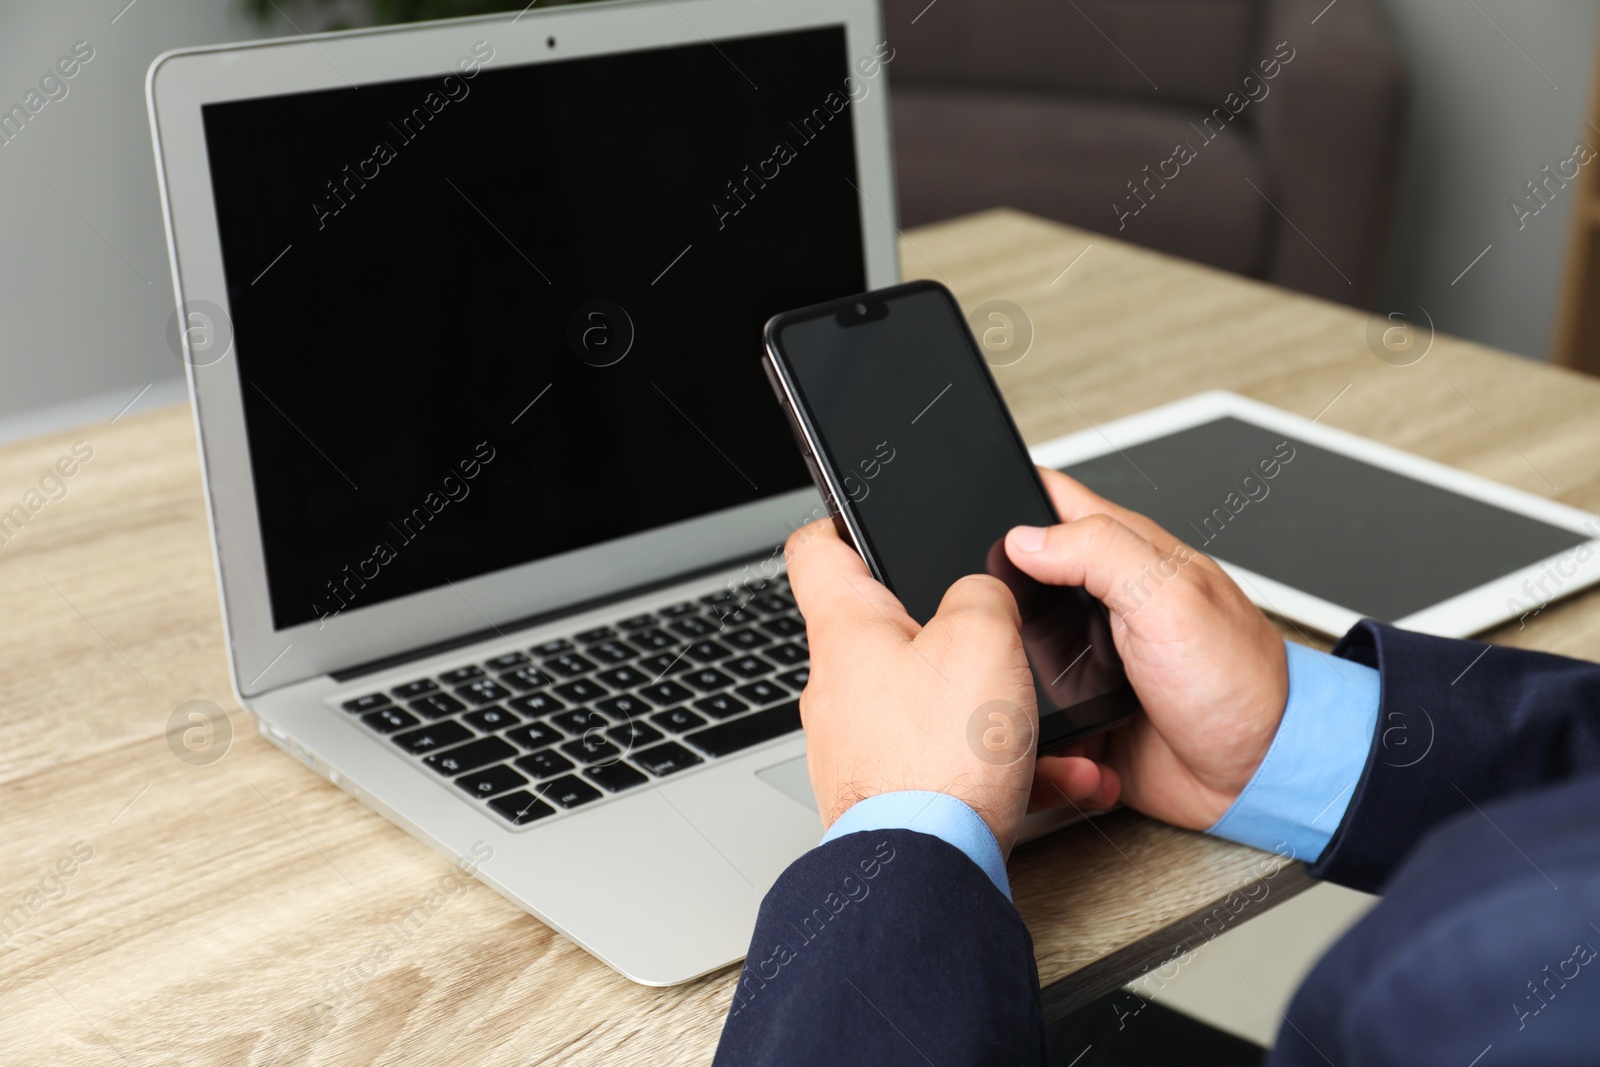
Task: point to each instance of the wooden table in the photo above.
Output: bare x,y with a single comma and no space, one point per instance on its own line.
240,913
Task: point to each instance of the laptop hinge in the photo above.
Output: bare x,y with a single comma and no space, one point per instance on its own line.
399,659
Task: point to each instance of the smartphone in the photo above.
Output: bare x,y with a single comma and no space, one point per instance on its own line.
915,454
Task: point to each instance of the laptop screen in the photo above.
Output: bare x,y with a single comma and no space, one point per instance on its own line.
484,320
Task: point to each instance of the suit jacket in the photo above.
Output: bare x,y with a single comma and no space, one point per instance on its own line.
1477,816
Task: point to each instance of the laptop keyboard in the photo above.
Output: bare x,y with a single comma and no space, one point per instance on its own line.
606,710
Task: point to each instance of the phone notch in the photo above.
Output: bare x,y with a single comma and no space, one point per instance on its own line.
862,311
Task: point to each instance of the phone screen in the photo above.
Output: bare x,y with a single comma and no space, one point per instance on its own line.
932,473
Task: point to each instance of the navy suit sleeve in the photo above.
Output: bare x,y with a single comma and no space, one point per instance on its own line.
1486,938
886,947
1460,723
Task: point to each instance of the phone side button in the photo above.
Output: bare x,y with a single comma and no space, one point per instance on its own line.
819,481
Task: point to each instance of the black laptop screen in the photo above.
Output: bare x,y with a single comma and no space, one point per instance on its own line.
484,320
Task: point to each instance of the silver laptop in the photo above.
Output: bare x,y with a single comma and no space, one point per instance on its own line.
472,322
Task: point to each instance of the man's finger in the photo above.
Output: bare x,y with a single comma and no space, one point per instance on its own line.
833,587
1074,500
977,598
1073,782
1097,552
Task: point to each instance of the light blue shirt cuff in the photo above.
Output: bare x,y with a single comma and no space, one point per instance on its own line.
938,814
1299,794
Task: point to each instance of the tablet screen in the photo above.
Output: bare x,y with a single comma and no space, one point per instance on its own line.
1363,537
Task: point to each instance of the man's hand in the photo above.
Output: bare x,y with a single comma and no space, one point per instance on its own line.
1208,667
948,707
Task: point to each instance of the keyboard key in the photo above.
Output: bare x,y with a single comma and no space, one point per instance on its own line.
785,626
686,608
552,648
750,730
662,663
677,720
725,596
487,783
592,748
507,662
535,704
569,666
580,692
525,678
708,651
733,615
634,734
534,735
388,720
708,679
470,756
488,720
723,607
623,678
796,679
746,639
637,622
483,691
653,640
722,705
599,633
414,689
610,652
786,655
621,708
771,603
762,692
545,764
569,792
693,626
666,759
437,705
433,736
663,694
519,809
748,666
579,721
370,702
615,776
461,674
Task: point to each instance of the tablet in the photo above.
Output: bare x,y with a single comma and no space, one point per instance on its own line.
1326,528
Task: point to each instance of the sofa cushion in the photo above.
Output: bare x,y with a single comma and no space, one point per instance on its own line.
1071,159
1194,50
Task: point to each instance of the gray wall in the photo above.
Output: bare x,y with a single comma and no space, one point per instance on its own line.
85,298
1485,117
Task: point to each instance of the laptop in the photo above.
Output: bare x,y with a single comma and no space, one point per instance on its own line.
472,321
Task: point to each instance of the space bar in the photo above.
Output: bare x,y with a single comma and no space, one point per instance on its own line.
750,730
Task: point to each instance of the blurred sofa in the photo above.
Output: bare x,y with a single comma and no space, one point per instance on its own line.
1080,111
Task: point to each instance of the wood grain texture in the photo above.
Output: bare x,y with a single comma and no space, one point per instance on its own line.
246,912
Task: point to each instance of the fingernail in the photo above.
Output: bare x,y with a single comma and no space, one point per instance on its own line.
1028,538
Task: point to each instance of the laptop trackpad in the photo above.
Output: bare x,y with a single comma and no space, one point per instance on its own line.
792,780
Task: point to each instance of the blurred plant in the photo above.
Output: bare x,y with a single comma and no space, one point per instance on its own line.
341,14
